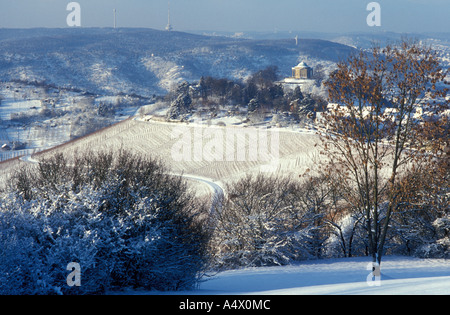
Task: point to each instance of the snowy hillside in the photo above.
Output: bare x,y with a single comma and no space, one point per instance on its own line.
145,61
345,276
34,117
296,149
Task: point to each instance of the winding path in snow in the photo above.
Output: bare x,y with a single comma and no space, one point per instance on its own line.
217,190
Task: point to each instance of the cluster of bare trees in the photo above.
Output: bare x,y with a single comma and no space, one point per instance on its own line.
374,148
275,220
382,186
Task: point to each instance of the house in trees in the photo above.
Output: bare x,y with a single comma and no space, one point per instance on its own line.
302,75
302,71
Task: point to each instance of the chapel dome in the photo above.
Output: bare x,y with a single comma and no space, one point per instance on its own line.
302,65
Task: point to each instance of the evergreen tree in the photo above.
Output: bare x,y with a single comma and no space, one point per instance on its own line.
253,105
182,104
298,95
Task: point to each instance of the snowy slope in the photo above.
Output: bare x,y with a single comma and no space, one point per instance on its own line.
144,61
345,276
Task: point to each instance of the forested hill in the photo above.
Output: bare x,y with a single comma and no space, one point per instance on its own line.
146,61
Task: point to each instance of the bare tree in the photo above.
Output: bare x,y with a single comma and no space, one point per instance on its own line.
273,220
258,223
422,224
386,117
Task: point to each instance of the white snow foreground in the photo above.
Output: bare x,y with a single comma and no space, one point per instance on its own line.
345,276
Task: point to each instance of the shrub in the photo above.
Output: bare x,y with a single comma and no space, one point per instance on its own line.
125,221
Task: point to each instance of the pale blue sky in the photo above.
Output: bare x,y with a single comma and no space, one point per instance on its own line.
234,15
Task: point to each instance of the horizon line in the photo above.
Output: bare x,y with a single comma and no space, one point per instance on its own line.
224,31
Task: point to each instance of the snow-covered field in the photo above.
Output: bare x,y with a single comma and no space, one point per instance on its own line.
292,150
344,276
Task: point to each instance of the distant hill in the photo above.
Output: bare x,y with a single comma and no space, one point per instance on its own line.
145,61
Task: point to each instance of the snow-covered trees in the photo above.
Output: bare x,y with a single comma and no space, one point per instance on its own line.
106,110
272,220
87,117
369,149
253,105
421,227
182,103
119,216
258,94
267,221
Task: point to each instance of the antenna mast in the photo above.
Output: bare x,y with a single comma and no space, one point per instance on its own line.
115,20
168,27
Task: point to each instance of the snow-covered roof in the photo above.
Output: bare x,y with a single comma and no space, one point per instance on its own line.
302,65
